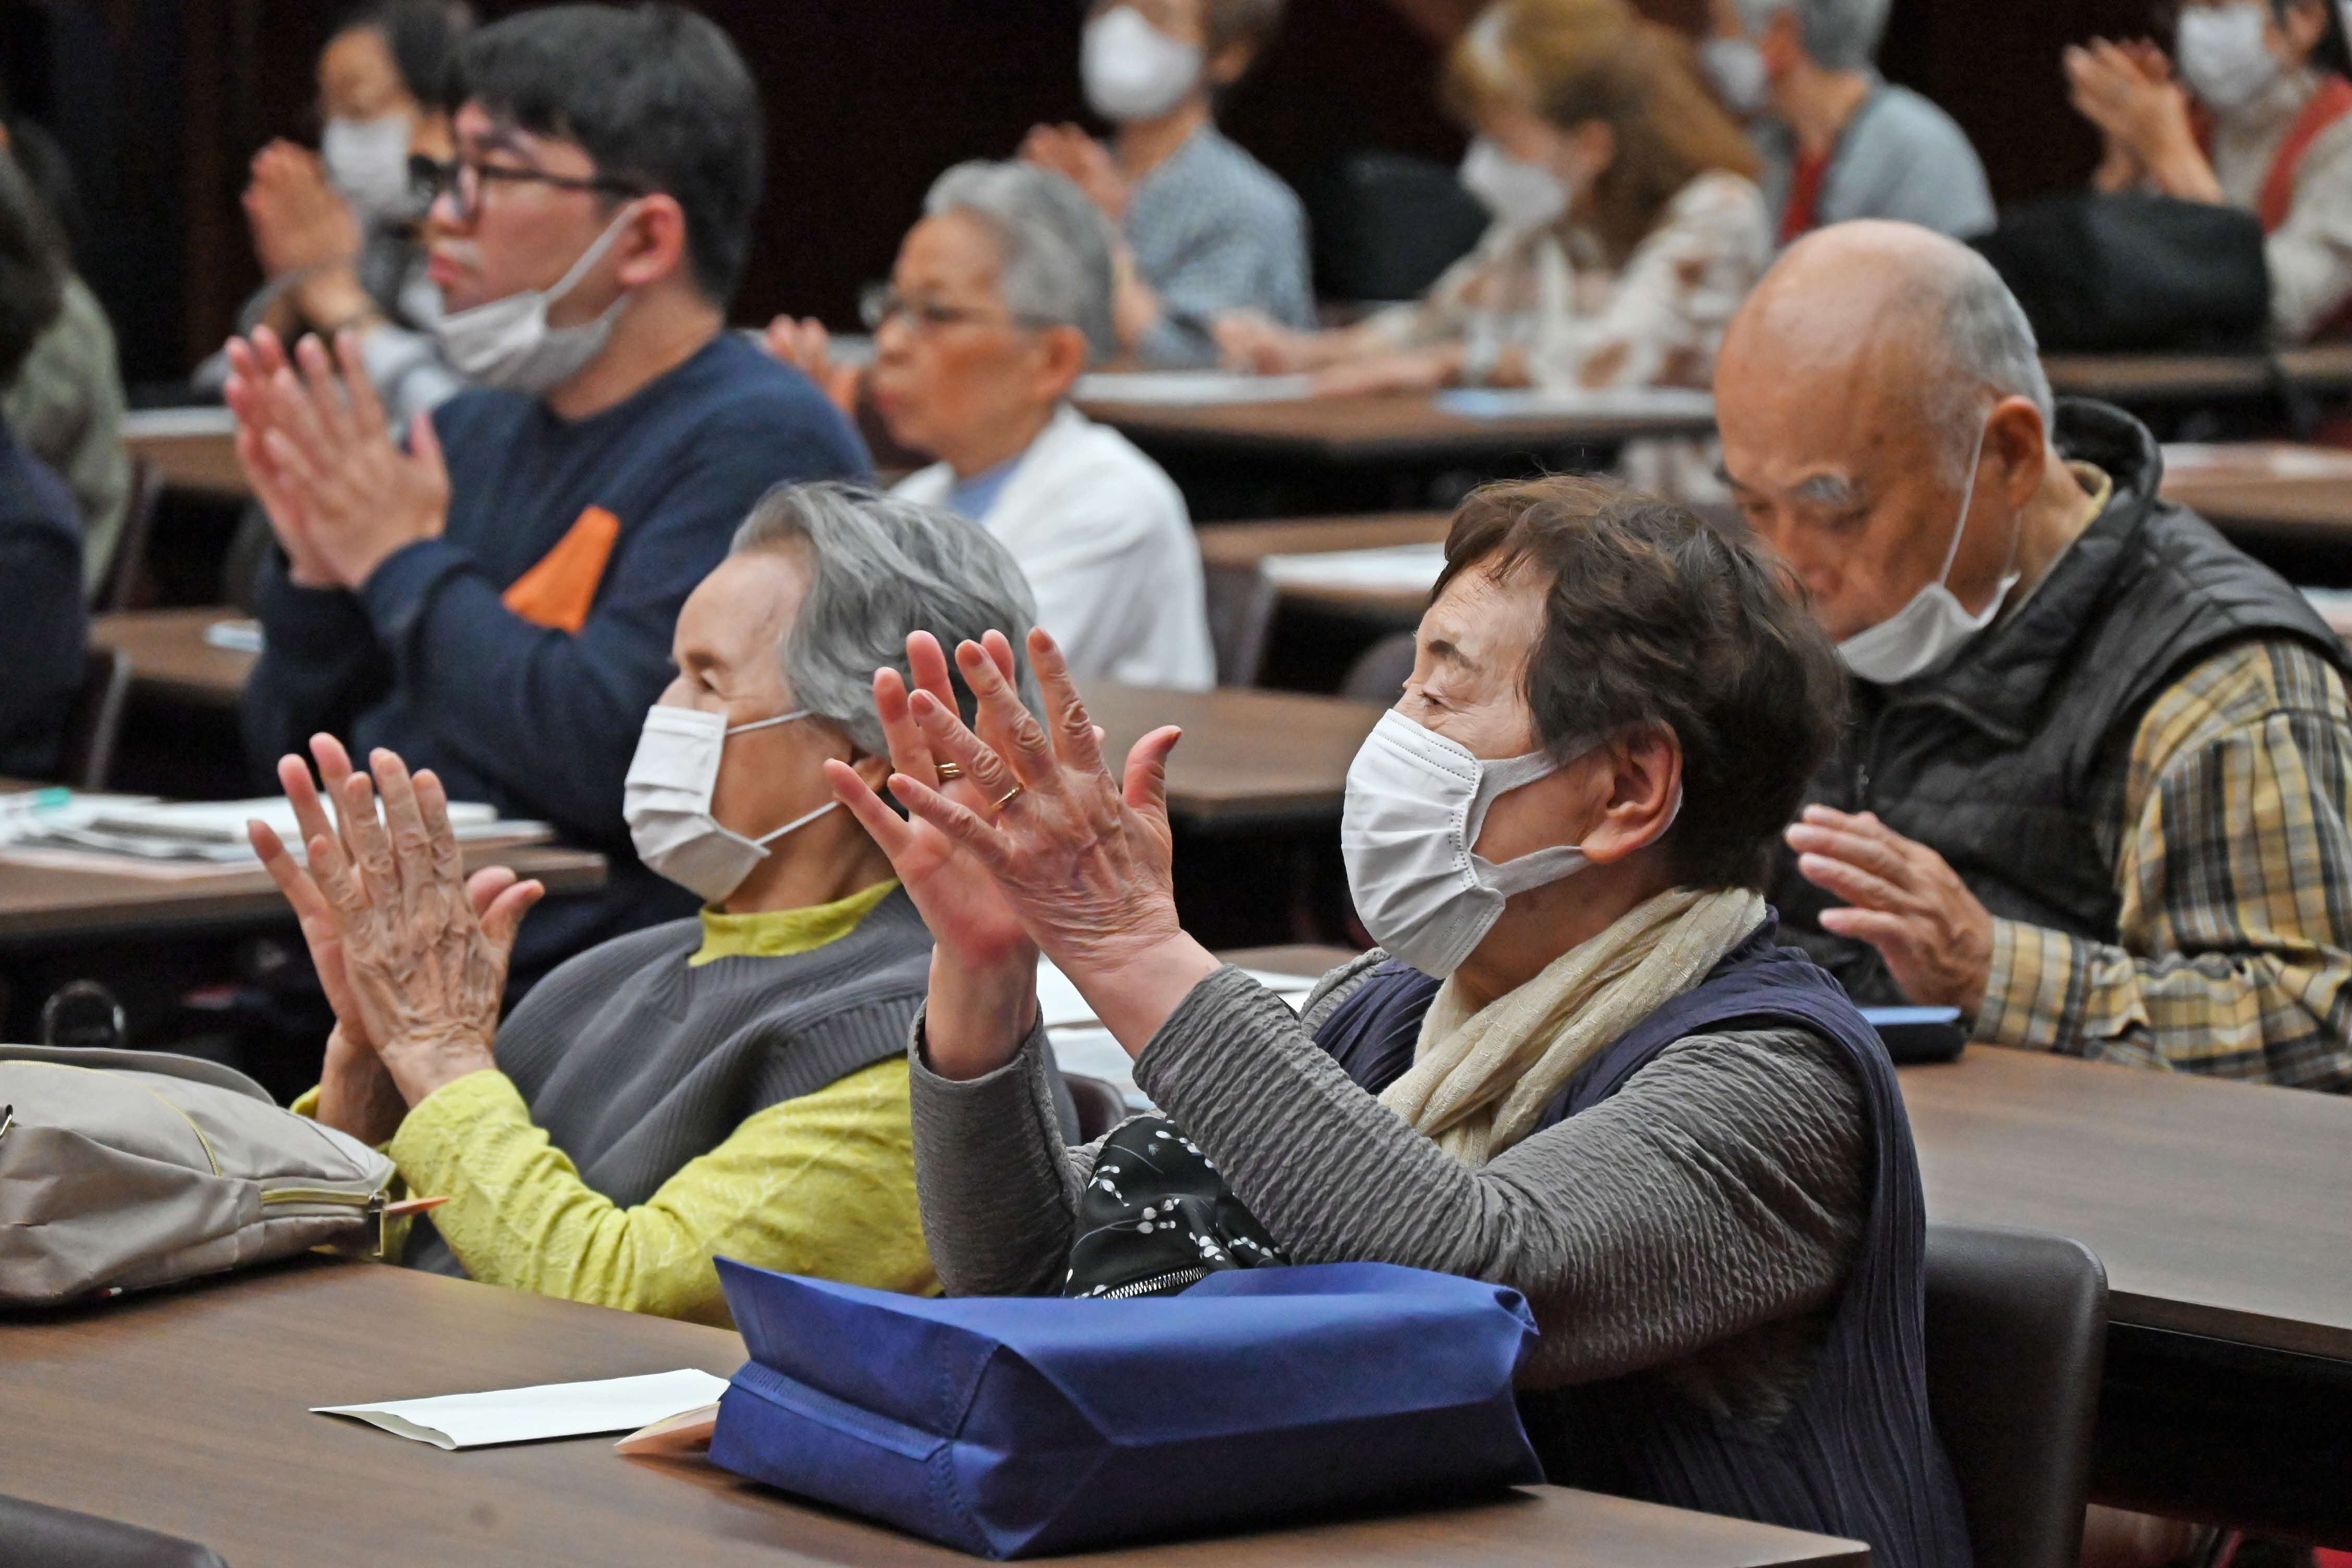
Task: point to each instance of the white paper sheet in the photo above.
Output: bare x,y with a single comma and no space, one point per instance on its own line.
1191,388
1616,402
1384,569
454,1421
162,423
140,828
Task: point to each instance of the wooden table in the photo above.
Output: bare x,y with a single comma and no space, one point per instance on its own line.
188,1412
1400,427
196,447
1250,760
1247,544
2141,380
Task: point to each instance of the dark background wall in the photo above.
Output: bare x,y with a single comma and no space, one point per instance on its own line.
160,102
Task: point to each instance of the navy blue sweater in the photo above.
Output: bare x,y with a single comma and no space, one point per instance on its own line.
426,658
43,625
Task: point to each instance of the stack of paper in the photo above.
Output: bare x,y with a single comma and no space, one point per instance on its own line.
206,832
456,1421
1387,569
1084,1046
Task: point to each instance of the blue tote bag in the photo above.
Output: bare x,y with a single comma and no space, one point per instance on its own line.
1010,1427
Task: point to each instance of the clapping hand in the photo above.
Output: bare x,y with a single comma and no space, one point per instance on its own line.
1078,158
299,221
2127,91
807,347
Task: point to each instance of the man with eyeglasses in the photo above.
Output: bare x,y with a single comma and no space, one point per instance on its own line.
491,593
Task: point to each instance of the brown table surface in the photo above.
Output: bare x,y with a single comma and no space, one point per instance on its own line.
1252,758
2159,378
205,462
1378,429
188,1412
2220,1209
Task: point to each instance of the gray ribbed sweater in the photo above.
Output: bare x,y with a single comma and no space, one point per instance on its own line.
636,1064
1699,1222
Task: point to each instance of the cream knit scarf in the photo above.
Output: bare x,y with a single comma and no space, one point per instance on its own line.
1478,1081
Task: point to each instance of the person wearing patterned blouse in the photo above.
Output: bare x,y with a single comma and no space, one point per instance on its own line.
2097,791
1627,228
734,1083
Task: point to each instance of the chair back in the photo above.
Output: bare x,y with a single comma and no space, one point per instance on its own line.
1241,605
1100,1105
1381,672
60,1537
2017,1328
120,587
94,724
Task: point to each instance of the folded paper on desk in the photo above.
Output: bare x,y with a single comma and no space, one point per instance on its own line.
454,1421
1385,569
212,832
1016,1426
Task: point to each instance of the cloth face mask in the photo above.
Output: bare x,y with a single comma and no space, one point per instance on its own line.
1415,804
1736,66
1131,69
1928,630
1520,194
367,161
508,345
2222,55
667,802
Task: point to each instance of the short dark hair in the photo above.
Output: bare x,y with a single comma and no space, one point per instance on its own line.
32,269
1653,618
424,37
656,95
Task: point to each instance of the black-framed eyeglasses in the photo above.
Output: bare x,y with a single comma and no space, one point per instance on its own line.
878,302
462,180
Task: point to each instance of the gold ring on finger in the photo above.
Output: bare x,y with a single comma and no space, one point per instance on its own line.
1007,797
949,771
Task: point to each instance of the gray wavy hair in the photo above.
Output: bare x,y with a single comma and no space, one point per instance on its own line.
879,569
1841,35
1053,244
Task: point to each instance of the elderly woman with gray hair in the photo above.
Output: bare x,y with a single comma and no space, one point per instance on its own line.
734,1083
1001,298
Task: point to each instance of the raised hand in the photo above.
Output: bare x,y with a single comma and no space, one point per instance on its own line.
807,347
299,221
1078,158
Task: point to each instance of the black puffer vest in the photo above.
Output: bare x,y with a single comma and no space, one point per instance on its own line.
2011,762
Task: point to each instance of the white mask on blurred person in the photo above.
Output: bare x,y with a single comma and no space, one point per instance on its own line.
1415,804
2222,55
1932,627
508,345
1736,66
1521,195
1131,69
667,802
367,161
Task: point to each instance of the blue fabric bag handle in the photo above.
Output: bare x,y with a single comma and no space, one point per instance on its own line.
1014,1426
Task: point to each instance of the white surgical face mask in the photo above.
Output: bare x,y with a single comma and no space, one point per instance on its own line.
367,161
507,343
1928,630
667,802
2222,55
1736,66
1521,195
1416,802
1131,69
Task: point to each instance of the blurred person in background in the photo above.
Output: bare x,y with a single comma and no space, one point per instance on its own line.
65,403
336,231
494,600
1627,228
42,620
1205,228
1838,140
2253,111
1001,296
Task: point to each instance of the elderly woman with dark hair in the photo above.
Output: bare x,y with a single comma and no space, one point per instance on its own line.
1581,1068
734,1083
1001,297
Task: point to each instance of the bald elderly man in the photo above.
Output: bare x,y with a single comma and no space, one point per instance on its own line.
2095,789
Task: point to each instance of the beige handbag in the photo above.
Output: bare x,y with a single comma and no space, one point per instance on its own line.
122,1170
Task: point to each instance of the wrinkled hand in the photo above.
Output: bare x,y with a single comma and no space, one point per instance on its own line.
1078,158
807,347
2128,91
1084,859
299,220
357,1094
1903,900
341,495
1423,371
425,966
1258,344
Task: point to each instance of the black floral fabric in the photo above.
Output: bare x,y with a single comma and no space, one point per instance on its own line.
1156,1218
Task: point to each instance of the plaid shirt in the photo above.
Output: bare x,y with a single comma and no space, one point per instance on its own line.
1214,230
2234,864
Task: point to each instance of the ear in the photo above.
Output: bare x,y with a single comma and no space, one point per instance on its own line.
1593,147
872,767
653,246
1646,775
1062,356
2303,25
1783,43
1233,62
2018,447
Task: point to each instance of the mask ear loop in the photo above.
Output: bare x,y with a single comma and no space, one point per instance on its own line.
1968,504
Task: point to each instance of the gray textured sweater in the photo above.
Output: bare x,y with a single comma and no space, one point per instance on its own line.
1699,1222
